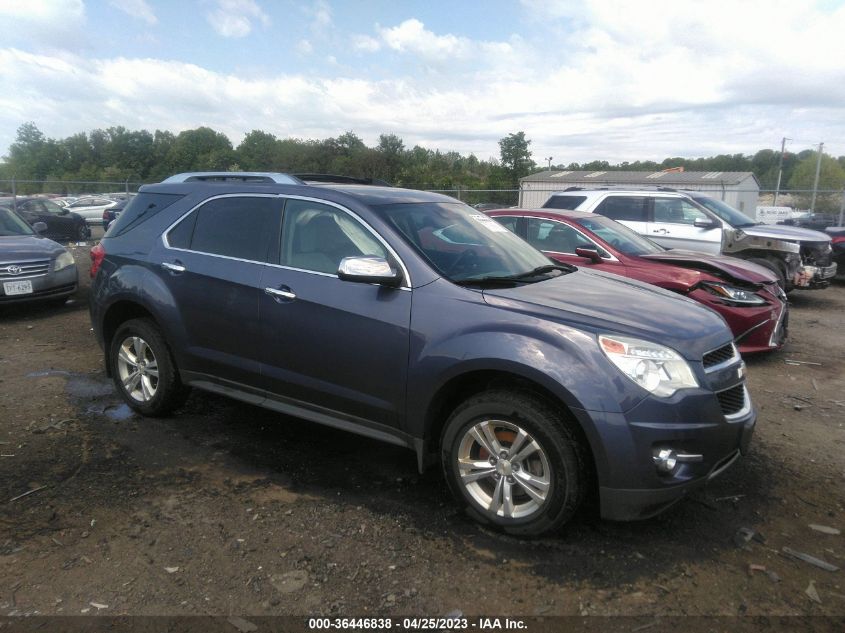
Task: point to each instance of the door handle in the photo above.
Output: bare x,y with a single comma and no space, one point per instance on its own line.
173,268
280,294
664,231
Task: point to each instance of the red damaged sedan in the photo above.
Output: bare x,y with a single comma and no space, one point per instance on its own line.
745,294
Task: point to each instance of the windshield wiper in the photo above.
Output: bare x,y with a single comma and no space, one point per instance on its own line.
520,278
541,270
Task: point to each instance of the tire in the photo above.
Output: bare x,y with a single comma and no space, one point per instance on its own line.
776,269
143,369
547,485
82,233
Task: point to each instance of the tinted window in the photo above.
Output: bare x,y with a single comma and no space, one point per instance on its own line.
241,227
140,209
317,237
509,221
564,202
181,234
631,208
620,236
548,235
676,211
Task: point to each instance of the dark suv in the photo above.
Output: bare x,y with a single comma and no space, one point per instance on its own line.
412,318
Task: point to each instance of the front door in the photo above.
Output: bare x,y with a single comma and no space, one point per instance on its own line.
332,344
673,226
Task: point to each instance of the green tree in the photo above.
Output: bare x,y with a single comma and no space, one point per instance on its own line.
201,149
515,157
258,151
831,178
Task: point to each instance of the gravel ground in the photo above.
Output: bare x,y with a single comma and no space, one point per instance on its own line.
226,509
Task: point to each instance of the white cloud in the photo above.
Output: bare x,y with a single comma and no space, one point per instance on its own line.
137,9
611,82
365,43
43,11
235,18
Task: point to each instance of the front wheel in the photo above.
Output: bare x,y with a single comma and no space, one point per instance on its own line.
143,369
82,232
514,462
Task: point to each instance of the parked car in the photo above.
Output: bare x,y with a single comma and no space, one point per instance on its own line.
409,317
110,214
746,295
91,208
692,221
32,267
814,221
61,223
837,236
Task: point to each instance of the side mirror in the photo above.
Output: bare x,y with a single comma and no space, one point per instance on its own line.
39,227
588,253
705,223
369,270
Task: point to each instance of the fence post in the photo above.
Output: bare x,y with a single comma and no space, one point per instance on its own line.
841,209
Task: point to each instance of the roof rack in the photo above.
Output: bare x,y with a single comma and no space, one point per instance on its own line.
623,188
234,176
342,180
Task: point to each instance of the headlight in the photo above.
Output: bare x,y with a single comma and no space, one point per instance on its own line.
730,293
655,368
63,261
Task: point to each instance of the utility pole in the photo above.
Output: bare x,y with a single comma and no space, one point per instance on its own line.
780,168
550,162
816,181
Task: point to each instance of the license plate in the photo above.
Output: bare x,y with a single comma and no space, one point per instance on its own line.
17,287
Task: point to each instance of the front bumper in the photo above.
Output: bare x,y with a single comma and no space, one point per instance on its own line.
53,285
705,422
814,277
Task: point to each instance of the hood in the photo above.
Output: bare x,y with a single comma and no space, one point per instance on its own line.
21,247
601,302
784,232
720,265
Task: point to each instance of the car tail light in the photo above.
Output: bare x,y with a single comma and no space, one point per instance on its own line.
839,239
97,255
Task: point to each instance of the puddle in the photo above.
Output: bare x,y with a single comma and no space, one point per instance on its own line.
84,386
119,412
48,372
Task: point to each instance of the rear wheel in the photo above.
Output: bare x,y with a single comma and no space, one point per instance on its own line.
82,232
514,462
143,369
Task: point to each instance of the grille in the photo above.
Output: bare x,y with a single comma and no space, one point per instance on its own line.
719,356
732,400
32,268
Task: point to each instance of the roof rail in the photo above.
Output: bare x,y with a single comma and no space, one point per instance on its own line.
342,180
234,176
622,187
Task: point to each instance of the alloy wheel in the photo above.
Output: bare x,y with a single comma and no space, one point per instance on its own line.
138,369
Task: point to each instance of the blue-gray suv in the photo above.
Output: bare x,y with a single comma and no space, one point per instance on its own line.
412,318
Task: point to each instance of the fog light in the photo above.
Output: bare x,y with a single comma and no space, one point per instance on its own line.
665,460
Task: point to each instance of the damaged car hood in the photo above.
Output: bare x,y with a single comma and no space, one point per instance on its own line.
722,266
784,232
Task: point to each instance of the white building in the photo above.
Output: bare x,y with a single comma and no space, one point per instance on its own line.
739,189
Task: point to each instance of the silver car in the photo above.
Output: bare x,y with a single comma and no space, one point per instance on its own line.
32,267
800,258
91,208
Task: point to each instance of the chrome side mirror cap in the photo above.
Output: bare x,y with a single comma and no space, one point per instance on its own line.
369,270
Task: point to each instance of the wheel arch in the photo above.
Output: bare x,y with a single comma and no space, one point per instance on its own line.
467,384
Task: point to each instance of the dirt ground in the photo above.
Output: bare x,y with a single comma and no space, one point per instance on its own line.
228,509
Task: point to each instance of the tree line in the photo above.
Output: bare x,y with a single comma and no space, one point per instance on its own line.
117,154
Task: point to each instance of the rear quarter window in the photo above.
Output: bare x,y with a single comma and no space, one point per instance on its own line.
564,202
140,209
631,208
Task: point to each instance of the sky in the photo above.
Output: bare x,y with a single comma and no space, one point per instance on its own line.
591,80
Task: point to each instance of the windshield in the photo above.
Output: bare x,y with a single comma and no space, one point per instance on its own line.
619,236
727,213
461,243
12,224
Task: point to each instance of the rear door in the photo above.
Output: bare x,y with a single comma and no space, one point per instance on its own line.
211,263
632,211
336,345
673,225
